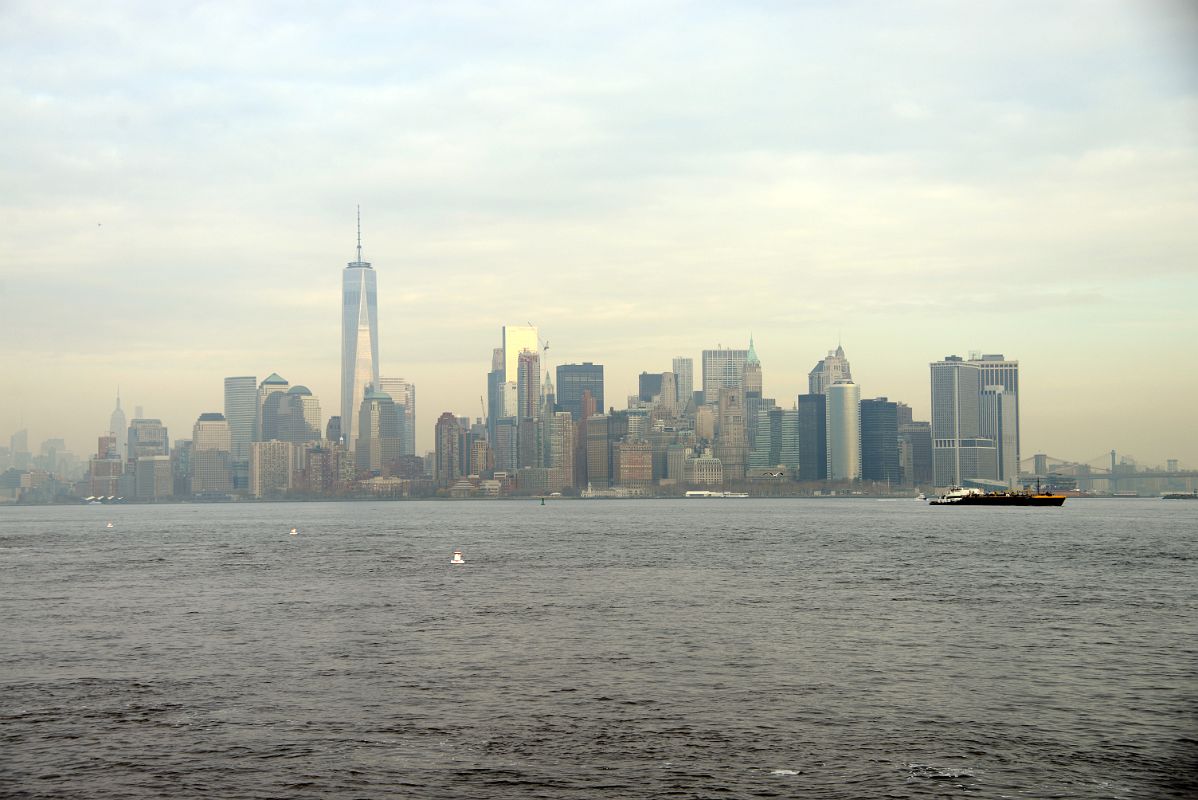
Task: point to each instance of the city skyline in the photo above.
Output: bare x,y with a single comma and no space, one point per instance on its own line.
614,186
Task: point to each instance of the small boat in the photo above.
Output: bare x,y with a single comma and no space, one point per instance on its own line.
457,558
921,496
294,532
109,525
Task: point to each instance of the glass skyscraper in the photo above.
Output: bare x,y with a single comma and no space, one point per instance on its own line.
241,408
573,380
359,339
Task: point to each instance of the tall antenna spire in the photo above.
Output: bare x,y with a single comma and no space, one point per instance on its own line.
359,233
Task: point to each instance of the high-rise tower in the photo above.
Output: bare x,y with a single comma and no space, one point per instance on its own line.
829,371
359,338
844,431
118,427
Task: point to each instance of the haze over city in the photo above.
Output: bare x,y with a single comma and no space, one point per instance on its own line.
180,187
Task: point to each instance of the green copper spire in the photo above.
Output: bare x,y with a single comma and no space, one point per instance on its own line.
752,357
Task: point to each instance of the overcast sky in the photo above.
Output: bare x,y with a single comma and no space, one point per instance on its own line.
641,180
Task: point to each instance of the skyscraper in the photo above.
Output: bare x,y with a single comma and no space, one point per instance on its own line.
272,384
403,393
379,434
448,436
880,442
1000,371
517,339
117,426
359,338
291,416
829,371
240,410
148,437
960,452
844,431
648,386
752,379
573,380
1000,423
732,444
722,369
528,385
210,443
684,368
813,437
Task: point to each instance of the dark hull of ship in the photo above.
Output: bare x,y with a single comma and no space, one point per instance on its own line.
1010,500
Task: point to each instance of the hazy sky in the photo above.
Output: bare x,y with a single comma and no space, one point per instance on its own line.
641,180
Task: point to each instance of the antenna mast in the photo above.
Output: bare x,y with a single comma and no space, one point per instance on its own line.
359,233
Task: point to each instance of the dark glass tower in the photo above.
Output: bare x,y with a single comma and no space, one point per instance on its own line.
813,437
573,380
879,441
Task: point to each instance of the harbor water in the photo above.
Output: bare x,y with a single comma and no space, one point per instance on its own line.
600,649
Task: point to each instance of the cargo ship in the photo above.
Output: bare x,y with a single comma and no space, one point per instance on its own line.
958,496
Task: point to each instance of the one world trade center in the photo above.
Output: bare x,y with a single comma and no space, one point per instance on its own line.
359,339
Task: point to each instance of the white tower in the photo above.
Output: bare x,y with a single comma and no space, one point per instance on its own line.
359,338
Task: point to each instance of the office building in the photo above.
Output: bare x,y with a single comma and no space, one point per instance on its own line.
359,339
790,449
1000,412
829,371
722,369
961,455
561,459
844,431
649,386
813,437
291,416
241,397
379,436
633,463
403,394
684,369
528,386
880,442
272,384
272,468
915,447
106,467
505,445
211,456
147,437
598,449
997,370
575,379
153,479
447,433
732,444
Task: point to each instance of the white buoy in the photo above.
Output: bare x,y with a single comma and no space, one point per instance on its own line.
457,558
294,532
